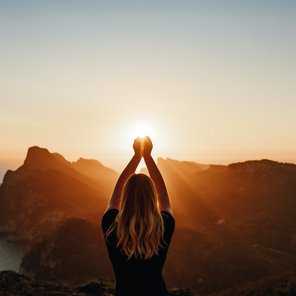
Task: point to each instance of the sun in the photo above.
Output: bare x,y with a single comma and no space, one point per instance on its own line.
141,129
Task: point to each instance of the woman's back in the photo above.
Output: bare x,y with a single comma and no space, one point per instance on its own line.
138,226
138,276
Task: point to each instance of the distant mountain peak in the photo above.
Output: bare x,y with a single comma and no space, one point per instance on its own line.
36,153
88,161
92,168
37,156
185,164
262,164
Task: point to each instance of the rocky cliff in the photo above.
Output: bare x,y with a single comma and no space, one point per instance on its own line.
47,189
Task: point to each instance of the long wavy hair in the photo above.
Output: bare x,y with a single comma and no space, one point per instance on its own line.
139,225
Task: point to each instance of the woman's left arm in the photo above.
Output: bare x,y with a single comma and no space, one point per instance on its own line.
114,202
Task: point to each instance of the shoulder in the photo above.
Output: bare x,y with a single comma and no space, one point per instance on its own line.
169,225
168,218
167,214
110,211
108,218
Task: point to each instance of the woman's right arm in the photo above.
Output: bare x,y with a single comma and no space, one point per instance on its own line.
163,197
130,169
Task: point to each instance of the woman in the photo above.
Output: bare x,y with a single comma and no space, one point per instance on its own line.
138,226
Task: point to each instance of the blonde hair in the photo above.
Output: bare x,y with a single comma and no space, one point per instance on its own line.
139,224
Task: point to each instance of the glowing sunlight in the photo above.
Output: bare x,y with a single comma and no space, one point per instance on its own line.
141,129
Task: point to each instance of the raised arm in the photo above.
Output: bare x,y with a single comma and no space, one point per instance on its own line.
114,202
163,197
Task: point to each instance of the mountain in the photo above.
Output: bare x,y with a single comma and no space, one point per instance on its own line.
47,188
235,224
262,191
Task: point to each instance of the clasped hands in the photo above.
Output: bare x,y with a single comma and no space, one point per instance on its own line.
142,146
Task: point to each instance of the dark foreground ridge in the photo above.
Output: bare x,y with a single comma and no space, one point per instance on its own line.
280,285
13,283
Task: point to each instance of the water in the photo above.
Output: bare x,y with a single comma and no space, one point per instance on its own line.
10,255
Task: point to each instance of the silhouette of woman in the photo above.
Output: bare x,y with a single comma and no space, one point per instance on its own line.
138,226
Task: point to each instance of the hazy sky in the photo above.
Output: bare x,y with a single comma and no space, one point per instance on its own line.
215,80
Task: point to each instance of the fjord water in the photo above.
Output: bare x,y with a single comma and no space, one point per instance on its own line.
10,255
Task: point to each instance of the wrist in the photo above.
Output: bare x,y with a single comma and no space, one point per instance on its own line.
137,156
147,155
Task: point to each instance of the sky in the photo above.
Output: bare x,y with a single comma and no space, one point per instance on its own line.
212,81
